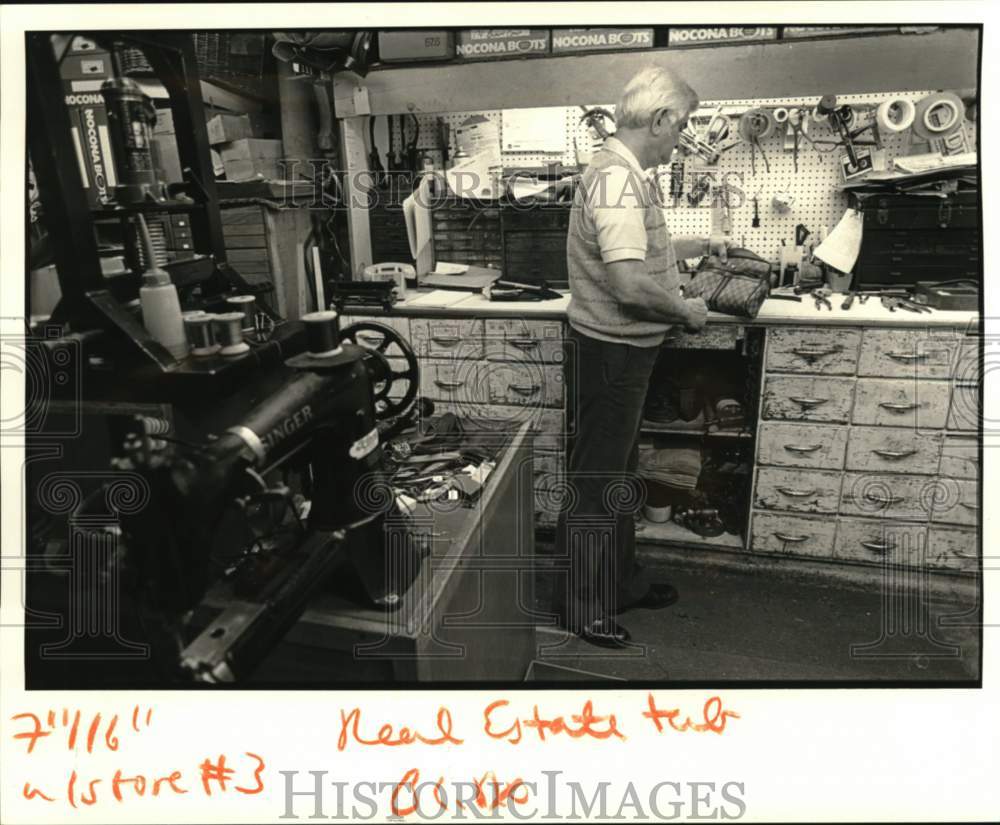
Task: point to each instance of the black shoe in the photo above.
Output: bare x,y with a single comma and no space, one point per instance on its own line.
657,597
605,633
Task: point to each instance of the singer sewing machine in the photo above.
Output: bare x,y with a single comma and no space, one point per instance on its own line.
274,500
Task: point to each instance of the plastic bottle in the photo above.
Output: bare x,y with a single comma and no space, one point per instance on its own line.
161,311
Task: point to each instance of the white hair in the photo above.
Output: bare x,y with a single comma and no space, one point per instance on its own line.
654,88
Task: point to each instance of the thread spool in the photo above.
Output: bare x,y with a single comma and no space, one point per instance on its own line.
199,328
322,333
246,304
228,327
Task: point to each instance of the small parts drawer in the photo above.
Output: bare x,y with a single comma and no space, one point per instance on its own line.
953,549
524,384
447,337
792,535
888,496
908,353
458,382
805,398
880,541
901,402
888,449
400,325
802,491
957,502
966,404
802,445
805,349
960,457
548,425
514,339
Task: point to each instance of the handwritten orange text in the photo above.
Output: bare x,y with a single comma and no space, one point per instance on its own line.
350,724
714,717
498,724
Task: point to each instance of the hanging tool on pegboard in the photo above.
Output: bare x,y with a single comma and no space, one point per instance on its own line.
754,126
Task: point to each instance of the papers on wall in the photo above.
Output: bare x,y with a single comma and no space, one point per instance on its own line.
841,247
475,177
534,130
480,136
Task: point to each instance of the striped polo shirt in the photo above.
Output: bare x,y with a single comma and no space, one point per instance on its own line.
617,215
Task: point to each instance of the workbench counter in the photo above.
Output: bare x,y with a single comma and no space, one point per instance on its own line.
774,312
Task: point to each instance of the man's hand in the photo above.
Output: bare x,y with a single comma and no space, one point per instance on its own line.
697,314
718,244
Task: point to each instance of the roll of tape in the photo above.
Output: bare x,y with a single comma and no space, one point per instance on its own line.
896,115
938,115
780,115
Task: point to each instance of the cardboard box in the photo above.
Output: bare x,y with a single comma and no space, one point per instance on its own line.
700,35
406,46
567,41
228,128
481,44
251,158
83,70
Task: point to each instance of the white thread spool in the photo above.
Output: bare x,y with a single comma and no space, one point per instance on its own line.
229,333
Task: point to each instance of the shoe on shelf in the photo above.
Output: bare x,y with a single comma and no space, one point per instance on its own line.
605,633
657,597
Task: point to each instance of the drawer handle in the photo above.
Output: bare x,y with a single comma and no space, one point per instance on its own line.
969,506
523,343
796,539
446,340
809,402
886,500
786,491
816,353
448,385
524,389
895,454
899,408
877,546
918,356
794,448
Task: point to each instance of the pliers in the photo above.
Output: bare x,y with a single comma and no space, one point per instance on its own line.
821,299
891,303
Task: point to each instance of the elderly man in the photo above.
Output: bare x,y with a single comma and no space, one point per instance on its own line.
625,295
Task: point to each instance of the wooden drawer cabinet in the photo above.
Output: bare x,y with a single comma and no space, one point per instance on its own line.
960,457
793,535
524,385
965,408
893,450
887,496
807,349
801,491
902,353
400,325
453,380
877,540
901,402
515,339
551,495
815,446
969,369
447,337
952,548
807,398
958,503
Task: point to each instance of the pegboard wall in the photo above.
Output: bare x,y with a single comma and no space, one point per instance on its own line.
814,187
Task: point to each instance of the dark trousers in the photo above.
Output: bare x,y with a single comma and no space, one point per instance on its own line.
606,391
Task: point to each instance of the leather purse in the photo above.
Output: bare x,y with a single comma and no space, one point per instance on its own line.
737,286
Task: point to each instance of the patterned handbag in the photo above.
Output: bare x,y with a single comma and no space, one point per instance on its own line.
737,286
